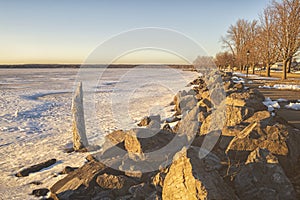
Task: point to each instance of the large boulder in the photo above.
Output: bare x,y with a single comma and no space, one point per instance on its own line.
235,114
242,135
189,124
274,138
132,144
188,178
118,185
263,178
206,103
230,116
260,116
184,103
78,182
187,103
177,99
147,150
115,137
252,98
146,140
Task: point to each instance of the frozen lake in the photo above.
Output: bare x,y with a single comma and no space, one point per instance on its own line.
35,114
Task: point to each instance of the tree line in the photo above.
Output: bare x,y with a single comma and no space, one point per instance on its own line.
273,37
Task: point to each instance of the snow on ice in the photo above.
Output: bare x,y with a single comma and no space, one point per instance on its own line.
35,117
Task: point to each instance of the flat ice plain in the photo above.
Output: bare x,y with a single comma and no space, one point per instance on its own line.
35,115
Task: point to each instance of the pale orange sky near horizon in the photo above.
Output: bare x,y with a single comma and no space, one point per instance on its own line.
136,57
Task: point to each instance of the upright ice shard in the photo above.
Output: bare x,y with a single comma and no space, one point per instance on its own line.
78,127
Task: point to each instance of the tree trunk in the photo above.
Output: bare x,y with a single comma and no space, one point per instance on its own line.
79,135
253,69
284,69
289,64
268,70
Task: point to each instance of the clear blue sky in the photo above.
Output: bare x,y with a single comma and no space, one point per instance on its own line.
66,31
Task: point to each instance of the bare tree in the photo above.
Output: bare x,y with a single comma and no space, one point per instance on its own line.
287,32
224,60
266,42
239,39
252,44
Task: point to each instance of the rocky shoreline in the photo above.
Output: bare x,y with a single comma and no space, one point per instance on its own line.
253,155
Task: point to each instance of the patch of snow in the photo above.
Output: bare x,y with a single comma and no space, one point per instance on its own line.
271,104
294,106
173,124
270,108
281,87
273,114
193,86
244,75
265,86
290,87
236,79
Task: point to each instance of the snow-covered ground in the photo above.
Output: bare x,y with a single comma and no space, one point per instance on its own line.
35,117
282,87
294,106
272,105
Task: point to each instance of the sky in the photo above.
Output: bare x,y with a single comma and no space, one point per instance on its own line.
67,31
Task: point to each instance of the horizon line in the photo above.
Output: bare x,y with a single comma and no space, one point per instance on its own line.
1,64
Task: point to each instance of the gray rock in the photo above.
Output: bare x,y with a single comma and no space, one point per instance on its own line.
154,125
152,121
118,184
263,181
40,192
36,168
261,155
144,122
189,124
243,134
77,182
274,138
187,179
187,103
235,115
68,170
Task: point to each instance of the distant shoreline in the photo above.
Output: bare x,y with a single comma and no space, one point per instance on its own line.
42,66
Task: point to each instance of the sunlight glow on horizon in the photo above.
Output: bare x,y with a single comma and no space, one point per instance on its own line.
137,57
